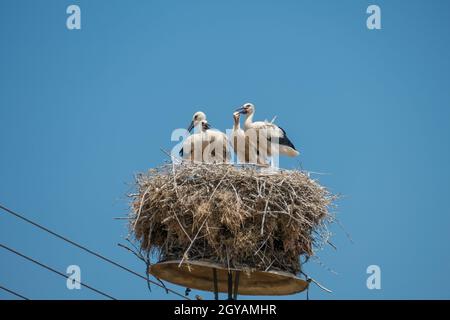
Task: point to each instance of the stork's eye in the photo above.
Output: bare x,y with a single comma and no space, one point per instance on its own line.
195,117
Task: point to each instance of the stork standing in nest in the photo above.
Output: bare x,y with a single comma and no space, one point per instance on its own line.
243,147
264,134
195,144
206,145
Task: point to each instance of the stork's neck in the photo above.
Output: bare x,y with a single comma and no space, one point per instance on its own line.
199,128
248,120
236,125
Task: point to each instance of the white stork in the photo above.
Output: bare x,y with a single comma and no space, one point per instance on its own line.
244,148
206,145
195,144
267,130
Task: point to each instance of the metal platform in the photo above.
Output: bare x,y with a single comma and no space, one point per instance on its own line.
208,276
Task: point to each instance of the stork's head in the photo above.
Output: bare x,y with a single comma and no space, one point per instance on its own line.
236,116
205,125
247,108
196,119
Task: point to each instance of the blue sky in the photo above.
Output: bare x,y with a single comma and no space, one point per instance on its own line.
82,111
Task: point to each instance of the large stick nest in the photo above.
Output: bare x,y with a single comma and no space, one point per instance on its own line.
236,216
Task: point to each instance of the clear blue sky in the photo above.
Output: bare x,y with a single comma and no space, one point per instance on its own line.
82,111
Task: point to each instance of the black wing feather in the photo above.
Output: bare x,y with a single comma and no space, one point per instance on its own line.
284,140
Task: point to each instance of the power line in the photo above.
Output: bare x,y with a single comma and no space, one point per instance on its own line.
14,293
98,255
55,271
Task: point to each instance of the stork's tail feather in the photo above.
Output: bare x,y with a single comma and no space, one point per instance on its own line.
292,152
288,151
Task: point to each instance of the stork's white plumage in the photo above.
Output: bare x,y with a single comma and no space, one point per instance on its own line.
206,145
218,149
267,131
195,144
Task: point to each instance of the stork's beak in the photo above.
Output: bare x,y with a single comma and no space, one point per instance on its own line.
191,126
241,110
